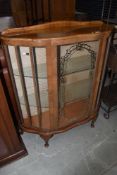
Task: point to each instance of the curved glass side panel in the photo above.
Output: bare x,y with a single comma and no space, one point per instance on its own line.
28,66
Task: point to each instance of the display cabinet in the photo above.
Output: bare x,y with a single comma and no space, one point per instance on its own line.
56,70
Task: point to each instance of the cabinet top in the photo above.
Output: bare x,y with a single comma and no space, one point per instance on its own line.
55,30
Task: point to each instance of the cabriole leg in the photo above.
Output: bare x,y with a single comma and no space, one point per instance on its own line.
46,139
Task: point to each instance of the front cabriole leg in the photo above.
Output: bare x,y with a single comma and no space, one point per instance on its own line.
46,138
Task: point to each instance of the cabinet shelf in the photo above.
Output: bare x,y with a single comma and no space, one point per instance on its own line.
73,65
32,101
41,69
78,64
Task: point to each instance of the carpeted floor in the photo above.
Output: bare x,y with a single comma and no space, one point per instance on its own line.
80,151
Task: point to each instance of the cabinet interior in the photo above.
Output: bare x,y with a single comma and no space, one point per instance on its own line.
75,69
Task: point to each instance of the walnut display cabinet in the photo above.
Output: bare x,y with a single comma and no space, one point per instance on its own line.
56,71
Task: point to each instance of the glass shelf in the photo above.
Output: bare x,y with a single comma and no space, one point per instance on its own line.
77,64
33,105
76,86
41,68
32,102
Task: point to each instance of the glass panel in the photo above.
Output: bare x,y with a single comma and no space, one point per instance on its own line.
76,70
42,77
17,79
27,70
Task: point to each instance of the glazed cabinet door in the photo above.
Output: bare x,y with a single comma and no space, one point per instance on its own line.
79,70
76,69
11,145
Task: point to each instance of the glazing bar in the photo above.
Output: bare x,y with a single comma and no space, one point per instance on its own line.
36,82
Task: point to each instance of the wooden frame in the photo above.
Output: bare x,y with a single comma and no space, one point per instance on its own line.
51,36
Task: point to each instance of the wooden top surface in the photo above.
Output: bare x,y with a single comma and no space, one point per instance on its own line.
57,29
